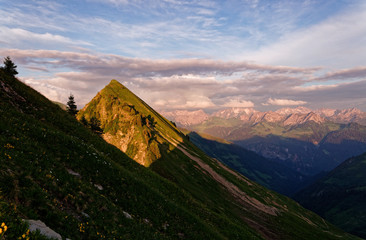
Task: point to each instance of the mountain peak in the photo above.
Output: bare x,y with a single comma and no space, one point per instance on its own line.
114,81
129,123
299,118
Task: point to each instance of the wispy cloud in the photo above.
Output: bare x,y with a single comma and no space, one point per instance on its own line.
237,103
335,42
345,74
21,37
176,84
284,102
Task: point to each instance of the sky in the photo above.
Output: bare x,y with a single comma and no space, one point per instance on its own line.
190,55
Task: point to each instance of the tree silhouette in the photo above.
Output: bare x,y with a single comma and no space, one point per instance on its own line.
95,125
84,121
9,66
71,106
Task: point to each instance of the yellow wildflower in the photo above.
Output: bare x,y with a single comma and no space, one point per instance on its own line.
23,236
1,230
3,224
5,228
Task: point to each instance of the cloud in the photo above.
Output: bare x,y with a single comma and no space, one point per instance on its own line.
181,83
115,64
21,37
283,102
236,103
335,42
345,74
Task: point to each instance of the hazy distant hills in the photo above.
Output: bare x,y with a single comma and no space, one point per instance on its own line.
305,140
340,196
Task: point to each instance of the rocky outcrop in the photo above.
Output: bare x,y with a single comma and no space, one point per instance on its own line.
35,225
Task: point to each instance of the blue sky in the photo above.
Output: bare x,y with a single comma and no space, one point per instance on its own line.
211,54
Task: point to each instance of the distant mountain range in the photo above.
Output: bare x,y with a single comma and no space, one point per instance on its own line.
285,116
306,141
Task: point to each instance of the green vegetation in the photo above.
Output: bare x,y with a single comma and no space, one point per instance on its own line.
236,206
9,67
263,171
56,170
71,106
340,196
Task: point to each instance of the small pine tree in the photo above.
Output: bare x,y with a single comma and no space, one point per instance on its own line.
84,121
9,67
95,125
71,106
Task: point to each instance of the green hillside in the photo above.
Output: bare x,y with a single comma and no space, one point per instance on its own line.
55,170
263,171
340,196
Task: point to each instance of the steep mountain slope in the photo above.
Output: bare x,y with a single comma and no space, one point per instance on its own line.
257,168
57,171
129,123
240,208
340,196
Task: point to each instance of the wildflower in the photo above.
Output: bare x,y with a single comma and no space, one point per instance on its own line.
5,228
1,231
3,224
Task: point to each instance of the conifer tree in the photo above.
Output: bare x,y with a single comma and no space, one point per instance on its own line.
71,106
95,125
9,67
84,121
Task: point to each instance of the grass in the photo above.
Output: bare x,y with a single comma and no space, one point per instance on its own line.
56,170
